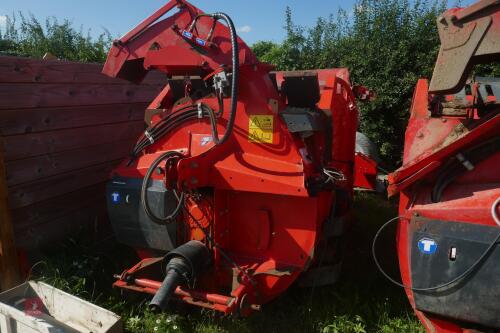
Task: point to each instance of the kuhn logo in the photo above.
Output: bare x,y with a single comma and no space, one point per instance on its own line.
427,245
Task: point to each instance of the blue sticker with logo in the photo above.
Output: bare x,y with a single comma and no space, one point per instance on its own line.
201,42
115,197
187,34
427,246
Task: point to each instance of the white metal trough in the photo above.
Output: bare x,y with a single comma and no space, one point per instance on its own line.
36,307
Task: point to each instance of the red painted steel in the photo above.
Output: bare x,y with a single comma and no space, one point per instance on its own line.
365,172
214,298
431,141
263,195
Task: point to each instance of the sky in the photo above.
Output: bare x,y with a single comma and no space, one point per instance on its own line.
255,19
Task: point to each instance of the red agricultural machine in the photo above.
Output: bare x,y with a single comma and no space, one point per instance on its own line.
244,176
449,227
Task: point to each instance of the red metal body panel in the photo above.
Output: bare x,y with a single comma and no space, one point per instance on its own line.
260,210
365,172
430,142
441,130
159,45
428,145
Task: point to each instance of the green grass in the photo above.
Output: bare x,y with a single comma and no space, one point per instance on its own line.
363,301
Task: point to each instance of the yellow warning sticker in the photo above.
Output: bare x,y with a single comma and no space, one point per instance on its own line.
260,128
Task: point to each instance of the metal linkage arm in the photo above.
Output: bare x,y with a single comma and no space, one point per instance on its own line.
188,42
468,36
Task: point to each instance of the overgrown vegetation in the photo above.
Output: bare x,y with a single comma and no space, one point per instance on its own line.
386,44
26,36
363,301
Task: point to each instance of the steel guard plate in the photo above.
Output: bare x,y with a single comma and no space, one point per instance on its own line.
433,246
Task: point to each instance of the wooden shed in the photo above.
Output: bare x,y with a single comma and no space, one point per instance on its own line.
63,127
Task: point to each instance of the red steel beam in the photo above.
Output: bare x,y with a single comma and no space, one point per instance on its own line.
179,291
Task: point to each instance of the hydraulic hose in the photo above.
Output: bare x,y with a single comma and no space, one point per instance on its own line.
188,115
161,129
153,133
176,119
235,63
166,124
144,192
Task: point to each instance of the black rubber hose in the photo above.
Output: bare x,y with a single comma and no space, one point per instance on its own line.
158,131
235,63
162,130
173,122
144,192
171,117
213,122
235,77
164,120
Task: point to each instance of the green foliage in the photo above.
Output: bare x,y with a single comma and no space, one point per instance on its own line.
151,323
263,48
397,325
386,44
26,36
491,69
343,324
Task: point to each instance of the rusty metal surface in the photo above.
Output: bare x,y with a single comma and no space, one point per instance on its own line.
465,35
440,126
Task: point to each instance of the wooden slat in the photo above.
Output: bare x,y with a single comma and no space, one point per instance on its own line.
36,144
9,265
50,187
36,95
54,208
66,126
75,222
40,167
22,121
26,70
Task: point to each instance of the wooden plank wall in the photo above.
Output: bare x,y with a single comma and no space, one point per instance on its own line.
9,267
64,126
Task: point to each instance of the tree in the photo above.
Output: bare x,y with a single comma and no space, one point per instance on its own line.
386,44
30,38
263,48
